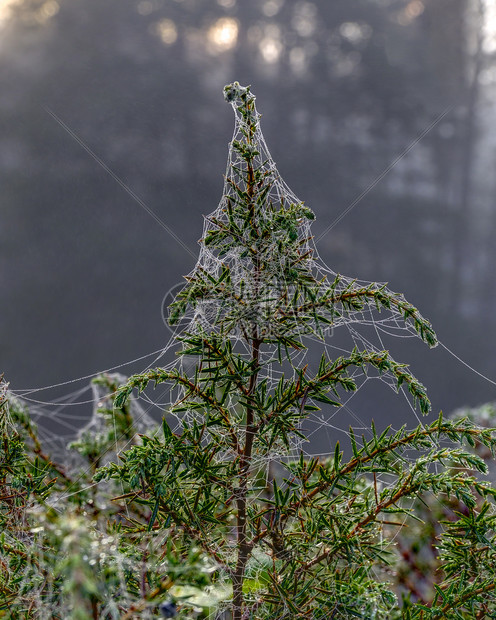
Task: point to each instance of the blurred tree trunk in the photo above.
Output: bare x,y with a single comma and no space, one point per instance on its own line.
463,241
456,33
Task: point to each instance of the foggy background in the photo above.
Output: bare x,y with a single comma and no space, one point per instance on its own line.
345,89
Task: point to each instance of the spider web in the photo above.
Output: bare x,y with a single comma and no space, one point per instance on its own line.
246,301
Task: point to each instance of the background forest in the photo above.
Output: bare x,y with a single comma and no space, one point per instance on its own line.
379,114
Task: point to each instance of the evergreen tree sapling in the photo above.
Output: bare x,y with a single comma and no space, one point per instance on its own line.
295,537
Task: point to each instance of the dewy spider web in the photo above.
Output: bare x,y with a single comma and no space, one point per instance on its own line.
225,296
362,326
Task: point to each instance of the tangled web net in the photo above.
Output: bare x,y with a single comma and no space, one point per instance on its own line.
261,276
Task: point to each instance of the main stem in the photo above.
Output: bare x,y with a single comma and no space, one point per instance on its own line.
244,546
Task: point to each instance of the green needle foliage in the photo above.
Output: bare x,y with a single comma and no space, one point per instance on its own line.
223,515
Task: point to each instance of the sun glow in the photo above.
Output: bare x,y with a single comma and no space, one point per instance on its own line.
41,15
167,31
6,7
413,9
222,35
490,27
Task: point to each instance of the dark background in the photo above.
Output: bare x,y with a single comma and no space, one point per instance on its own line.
344,87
